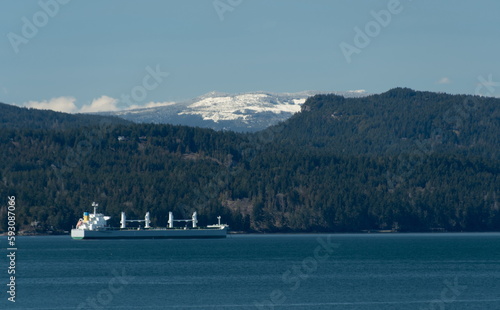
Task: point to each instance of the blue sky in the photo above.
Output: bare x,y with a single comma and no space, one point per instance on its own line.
90,55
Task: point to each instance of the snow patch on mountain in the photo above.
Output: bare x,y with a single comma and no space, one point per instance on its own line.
221,111
242,106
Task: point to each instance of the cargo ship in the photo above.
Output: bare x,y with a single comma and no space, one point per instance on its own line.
94,226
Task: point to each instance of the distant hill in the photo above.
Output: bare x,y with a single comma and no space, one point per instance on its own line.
16,117
403,160
244,112
398,121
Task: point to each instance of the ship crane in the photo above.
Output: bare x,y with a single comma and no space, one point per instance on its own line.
124,221
193,219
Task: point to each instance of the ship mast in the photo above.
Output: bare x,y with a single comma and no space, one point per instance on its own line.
94,204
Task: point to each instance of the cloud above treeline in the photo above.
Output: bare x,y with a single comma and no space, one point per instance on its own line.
444,80
60,104
102,104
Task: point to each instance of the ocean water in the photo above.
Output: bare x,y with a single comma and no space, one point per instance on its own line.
345,271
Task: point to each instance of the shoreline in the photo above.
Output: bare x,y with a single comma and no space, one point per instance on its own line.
292,233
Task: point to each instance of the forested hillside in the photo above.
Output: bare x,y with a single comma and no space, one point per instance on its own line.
405,160
14,117
399,121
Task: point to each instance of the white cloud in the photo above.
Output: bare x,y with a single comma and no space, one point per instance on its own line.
60,104
150,105
101,104
444,80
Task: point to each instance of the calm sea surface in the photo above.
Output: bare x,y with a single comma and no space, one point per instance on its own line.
352,271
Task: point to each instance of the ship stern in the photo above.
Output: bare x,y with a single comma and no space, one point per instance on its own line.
77,234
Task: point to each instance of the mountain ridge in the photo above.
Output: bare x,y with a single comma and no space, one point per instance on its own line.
241,112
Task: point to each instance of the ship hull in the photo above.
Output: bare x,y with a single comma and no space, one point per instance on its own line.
149,234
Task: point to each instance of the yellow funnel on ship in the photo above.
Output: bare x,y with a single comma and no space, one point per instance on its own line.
85,216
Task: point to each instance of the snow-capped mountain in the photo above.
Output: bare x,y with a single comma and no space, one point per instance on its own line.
239,112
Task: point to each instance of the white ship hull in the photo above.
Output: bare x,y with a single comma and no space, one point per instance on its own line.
150,233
